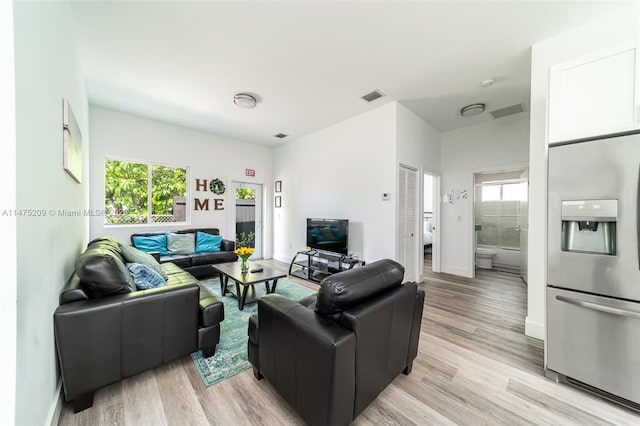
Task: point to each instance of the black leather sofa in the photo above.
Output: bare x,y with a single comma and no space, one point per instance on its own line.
198,264
330,355
106,331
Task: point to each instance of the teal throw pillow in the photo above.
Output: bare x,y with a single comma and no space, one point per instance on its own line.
145,277
152,243
181,243
207,242
133,255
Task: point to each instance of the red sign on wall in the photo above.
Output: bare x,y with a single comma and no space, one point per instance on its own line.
249,172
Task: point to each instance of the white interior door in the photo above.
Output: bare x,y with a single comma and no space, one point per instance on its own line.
524,229
247,214
408,222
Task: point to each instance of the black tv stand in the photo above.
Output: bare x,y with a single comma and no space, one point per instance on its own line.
317,265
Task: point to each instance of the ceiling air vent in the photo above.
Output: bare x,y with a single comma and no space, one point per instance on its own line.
280,135
510,110
370,97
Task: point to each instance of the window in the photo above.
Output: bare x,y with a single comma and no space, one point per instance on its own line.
498,212
141,193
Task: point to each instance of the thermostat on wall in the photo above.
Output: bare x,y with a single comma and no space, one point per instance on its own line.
386,196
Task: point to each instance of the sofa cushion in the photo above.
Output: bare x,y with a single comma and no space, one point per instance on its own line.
181,260
151,243
102,271
181,243
145,277
210,258
133,255
345,289
211,307
207,242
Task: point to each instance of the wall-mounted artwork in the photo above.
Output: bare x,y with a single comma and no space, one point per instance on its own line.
72,143
454,195
278,186
278,201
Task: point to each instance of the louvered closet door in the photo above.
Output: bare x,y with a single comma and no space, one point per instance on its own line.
407,221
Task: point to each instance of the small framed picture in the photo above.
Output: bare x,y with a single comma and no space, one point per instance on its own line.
278,186
278,201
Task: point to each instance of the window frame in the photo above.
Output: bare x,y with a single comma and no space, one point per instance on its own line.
149,165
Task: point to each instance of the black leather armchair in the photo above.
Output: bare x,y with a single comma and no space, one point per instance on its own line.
329,356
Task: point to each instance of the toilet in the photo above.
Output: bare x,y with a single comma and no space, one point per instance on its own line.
484,258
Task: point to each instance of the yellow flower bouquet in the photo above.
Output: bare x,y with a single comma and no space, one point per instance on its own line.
244,253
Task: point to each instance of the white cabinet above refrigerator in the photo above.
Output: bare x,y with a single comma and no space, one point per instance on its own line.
595,95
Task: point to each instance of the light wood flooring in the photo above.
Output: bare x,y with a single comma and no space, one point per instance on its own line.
474,367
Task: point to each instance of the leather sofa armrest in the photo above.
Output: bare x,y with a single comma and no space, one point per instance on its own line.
100,341
227,245
320,352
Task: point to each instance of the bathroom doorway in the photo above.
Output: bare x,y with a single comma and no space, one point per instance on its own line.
500,217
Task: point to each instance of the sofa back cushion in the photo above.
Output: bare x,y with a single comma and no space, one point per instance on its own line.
343,290
181,243
102,270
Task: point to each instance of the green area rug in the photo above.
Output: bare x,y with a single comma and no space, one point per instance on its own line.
231,353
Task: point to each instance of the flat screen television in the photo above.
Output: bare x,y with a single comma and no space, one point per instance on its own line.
328,235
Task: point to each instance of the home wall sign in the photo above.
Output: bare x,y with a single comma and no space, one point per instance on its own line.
215,186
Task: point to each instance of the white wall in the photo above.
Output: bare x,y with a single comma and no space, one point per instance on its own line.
8,260
47,70
418,146
494,145
610,30
340,172
120,135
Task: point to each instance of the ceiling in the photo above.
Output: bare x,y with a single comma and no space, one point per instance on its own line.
308,63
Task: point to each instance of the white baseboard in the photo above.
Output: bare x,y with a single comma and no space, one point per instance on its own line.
534,329
56,406
455,270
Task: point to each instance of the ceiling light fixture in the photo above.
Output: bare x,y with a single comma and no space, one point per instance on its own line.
473,109
245,100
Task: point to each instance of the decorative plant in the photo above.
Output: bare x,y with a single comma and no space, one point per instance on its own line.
245,240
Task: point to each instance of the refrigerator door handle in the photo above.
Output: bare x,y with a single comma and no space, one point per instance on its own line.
600,308
638,216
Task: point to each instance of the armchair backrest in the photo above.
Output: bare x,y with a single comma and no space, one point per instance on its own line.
344,290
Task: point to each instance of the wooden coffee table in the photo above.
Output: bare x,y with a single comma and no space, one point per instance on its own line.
244,290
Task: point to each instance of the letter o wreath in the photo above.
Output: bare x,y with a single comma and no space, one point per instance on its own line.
217,186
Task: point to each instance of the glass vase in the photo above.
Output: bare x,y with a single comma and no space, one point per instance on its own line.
244,267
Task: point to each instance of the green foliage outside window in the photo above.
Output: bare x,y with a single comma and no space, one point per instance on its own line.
127,190
245,194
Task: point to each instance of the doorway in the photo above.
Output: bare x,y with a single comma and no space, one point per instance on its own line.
247,216
431,221
500,218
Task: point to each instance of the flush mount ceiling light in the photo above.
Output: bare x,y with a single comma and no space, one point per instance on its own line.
244,100
473,109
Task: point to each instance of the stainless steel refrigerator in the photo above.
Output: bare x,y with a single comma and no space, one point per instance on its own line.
593,275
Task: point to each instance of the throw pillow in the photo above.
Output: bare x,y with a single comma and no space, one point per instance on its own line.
102,272
207,242
151,243
133,255
181,243
145,277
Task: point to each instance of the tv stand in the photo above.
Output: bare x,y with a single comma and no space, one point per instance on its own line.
316,265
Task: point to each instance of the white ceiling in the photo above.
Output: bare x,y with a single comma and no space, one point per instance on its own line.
309,62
